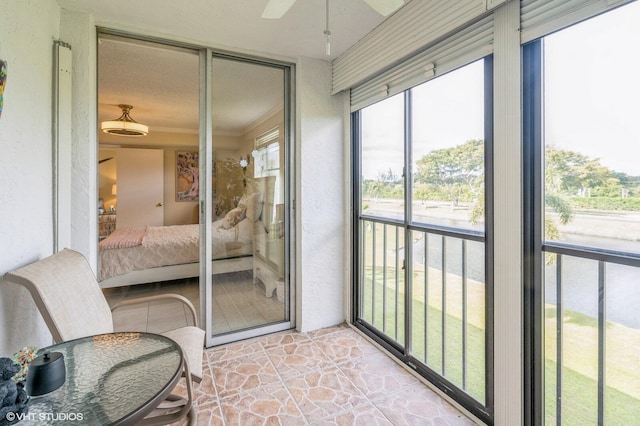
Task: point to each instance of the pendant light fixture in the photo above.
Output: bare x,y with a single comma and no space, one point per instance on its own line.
124,125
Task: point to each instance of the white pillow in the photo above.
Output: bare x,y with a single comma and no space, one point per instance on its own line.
253,204
232,218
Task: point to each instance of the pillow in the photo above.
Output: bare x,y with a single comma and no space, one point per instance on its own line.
253,204
232,218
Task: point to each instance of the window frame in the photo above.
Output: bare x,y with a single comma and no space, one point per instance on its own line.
483,412
535,246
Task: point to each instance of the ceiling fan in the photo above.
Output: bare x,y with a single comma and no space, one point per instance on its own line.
276,9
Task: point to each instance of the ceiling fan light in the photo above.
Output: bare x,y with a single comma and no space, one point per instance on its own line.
124,125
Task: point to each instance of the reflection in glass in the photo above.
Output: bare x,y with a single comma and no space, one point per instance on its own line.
382,159
448,149
248,233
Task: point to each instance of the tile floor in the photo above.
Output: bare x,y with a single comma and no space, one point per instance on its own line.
332,376
238,303
326,377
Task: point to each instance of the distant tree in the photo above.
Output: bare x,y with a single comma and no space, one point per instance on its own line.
457,173
570,173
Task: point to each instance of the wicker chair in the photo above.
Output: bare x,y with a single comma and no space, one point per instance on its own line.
72,304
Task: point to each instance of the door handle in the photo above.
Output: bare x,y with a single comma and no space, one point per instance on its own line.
159,205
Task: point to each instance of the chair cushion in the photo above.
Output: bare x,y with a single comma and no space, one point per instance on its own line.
191,340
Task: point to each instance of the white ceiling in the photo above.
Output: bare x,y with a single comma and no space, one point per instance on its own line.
163,84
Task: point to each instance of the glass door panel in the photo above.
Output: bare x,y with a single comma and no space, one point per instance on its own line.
249,285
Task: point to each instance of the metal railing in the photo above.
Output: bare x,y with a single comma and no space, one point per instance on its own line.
426,274
565,253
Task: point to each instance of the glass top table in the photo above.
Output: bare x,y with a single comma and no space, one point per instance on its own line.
111,379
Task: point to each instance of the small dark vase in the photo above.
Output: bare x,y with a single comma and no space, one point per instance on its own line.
46,373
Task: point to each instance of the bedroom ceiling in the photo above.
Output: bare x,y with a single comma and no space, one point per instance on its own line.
167,100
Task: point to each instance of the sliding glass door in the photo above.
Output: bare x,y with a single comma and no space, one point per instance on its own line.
198,203
423,182
581,137
249,290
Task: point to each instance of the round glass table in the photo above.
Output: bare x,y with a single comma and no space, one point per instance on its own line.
111,379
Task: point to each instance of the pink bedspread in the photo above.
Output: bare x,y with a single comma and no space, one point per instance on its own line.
123,238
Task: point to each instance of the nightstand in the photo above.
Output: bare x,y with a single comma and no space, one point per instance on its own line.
268,262
106,225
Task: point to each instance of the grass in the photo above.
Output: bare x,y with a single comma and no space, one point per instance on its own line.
579,386
387,308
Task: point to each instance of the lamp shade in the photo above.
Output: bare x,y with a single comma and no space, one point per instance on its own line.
124,125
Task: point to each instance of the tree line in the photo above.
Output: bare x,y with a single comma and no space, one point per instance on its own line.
456,175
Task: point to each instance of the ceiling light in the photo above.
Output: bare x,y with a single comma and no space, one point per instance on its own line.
124,125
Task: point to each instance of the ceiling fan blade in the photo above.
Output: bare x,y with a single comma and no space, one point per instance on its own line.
385,7
105,159
275,9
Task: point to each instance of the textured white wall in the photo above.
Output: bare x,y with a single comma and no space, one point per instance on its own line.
78,29
320,198
27,31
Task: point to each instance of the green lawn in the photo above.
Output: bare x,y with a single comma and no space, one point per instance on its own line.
622,398
388,307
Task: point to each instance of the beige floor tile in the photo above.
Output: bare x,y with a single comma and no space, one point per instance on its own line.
418,405
377,375
268,405
322,394
345,345
233,350
328,330
298,358
284,338
242,374
366,415
210,415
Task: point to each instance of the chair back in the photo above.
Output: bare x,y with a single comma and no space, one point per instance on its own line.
67,294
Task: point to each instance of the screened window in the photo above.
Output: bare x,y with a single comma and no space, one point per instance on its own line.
382,159
422,285
587,204
448,149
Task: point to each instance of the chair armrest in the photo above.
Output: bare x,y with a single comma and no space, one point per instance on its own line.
155,298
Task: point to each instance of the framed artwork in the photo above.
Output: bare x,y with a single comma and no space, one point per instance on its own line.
187,176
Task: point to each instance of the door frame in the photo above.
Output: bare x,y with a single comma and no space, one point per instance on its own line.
207,141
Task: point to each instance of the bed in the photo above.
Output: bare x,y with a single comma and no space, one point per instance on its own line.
146,254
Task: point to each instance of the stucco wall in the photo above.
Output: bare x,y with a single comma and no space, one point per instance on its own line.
27,31
320,198
25,168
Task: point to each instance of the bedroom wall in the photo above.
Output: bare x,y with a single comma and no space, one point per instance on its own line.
27,29
320,198
175,213
107,177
